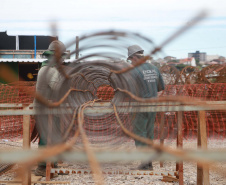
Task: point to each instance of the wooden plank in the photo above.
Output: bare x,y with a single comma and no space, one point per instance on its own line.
35,178
107,104
26,131
162,133
17,180
169,179
97,109
49,141
77,48
179,166
202,173
161,144
26,145
199,169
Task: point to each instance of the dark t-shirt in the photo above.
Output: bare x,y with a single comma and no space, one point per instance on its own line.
149,80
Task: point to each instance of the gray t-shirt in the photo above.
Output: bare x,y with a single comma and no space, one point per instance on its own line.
149,80
47,81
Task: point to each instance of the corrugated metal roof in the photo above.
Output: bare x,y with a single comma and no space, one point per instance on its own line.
28,60
21,60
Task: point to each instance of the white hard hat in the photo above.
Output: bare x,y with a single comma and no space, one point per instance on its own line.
56,43
134,49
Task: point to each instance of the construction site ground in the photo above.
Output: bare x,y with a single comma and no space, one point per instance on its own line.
190,168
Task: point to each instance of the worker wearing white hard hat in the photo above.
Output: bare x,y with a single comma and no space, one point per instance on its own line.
149,82
134,49
47,82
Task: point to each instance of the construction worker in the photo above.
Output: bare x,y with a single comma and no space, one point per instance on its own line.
47,79
149,82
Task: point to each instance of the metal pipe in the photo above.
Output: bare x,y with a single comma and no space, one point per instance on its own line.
77,47
35,46
109,109
16,156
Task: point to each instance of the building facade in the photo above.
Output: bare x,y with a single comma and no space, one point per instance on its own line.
23,54
199,56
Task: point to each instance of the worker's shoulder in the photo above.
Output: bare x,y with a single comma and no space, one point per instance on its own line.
151,66
45,70
48,68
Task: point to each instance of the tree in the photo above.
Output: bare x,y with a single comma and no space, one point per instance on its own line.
197,62
180,66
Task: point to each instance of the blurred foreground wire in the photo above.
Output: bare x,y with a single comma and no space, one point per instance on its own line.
102,76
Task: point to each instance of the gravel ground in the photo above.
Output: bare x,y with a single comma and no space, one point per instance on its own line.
190,168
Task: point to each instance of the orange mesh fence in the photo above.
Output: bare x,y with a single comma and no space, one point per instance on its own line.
11,127
216,120
105,92
105,128
10,93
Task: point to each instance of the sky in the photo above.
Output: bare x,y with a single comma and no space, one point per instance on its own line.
157,20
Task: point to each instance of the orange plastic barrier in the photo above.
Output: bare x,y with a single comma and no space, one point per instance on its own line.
11,126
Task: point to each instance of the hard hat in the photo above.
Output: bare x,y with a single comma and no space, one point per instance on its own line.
56,43
134,49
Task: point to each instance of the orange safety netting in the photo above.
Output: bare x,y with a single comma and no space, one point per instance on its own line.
215,120
11,126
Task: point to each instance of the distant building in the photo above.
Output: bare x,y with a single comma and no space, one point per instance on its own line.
198,56
212,57
185,61
24,42
168,58
222,59
23,54
161,61
188,61
215,59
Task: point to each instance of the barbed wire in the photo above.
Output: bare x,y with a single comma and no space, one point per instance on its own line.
77,88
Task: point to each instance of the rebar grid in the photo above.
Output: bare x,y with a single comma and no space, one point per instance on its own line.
78,87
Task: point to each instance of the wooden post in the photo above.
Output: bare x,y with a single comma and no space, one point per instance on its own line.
26,145
162,132
179,165
49,138
62,127
77,48
202,174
